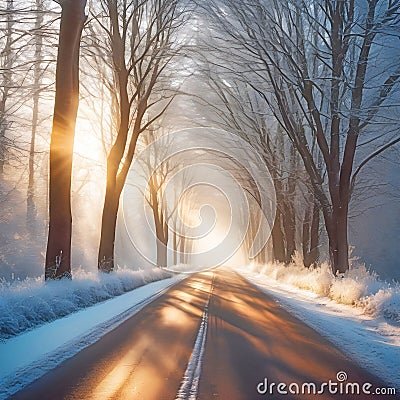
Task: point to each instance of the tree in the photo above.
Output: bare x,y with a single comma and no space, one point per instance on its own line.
314,66
183,202
166,180
140,38
310,231
30,202
58,254
6,67
158,168
350,53
239,108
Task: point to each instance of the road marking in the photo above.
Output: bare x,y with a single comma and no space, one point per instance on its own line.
191,378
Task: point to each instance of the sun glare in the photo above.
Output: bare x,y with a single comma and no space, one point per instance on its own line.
87,142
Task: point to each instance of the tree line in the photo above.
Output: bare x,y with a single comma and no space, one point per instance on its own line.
312,87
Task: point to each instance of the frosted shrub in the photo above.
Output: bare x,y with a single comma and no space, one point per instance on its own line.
355,284
318,279
385,302
357,287
347,290
32,302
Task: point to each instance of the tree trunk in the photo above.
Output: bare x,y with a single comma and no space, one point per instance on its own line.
175,246
161,237
6,53
311,235
277,233
115,182
278,242
332,232
30,201
262,256
338,240
289,225
338,237
342,242
306,236
182,246
289,215
161,254
58,255
108,227
314,243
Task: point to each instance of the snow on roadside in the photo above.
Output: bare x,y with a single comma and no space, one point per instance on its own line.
358,287
27,304
371,341
29,355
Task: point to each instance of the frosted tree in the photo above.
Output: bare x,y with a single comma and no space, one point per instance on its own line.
329,72
237,107
139,44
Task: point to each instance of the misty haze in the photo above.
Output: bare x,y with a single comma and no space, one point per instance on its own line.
199,198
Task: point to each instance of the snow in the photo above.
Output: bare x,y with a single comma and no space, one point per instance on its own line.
30,303
357,312
366,336
29,355
358,287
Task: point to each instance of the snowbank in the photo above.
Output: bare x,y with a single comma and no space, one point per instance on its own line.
26,357
357,287
32,302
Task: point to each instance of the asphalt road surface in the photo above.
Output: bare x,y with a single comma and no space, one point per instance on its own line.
211,336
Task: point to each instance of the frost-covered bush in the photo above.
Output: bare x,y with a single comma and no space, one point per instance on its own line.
357,287
385,301
318,280
356,283
29,303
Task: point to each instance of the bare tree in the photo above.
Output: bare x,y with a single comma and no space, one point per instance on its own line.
58,255
310,232
37,77
237,107
314,66
159,169
6,68
167,180
139,36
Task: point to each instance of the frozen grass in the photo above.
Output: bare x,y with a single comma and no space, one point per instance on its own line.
357,287
32,302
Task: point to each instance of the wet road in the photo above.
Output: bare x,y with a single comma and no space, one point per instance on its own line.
213,322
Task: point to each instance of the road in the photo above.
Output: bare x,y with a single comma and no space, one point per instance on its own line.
216,323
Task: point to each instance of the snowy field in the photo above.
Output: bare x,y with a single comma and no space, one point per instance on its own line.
359,327
29,355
